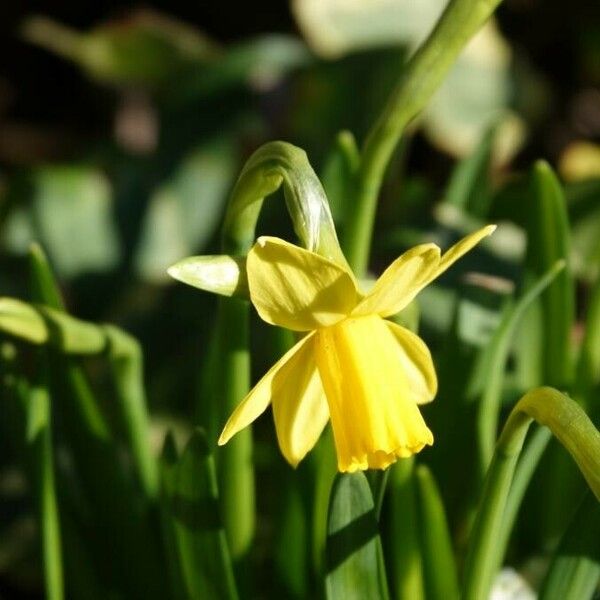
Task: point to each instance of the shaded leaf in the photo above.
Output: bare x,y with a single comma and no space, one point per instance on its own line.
575,569
354,554
194,506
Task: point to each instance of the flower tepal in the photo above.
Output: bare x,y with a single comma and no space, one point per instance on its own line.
354,367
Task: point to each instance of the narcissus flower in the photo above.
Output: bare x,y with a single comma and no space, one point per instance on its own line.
365,373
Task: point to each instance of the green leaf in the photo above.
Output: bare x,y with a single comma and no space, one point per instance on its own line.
291,552
81,573
323,462
575,569
549,239
70,335
489,373
439,567
588,368
338,173
40,324
584,211
205,560
528,461
21,320
119,521
169,459
126,362
41,279
354,554
573,428
45,290
549,242
403,548
468,188
39,438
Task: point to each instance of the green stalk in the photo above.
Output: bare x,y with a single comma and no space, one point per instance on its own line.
39,437
497,355
116,513
271,166
231,384
573,428
404,556
529,460
45,291
439,567
126,362
422,76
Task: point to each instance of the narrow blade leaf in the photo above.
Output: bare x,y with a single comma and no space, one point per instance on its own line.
354,554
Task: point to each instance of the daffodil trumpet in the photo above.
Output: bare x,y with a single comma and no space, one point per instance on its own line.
353,366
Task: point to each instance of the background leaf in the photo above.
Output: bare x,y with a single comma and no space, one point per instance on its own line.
194,507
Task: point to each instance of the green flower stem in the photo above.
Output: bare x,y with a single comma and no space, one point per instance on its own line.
423,74
271,166
39,437
231,384
573,428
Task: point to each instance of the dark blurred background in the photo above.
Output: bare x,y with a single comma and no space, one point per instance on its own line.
560,42
123,128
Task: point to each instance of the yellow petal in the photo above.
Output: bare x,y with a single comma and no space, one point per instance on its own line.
416,364
401,282
299,407
297,289
257,401
373,416
460,248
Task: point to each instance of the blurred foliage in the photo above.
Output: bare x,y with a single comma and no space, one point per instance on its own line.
173,114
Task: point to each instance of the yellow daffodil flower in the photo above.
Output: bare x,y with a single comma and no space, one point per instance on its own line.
365,373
